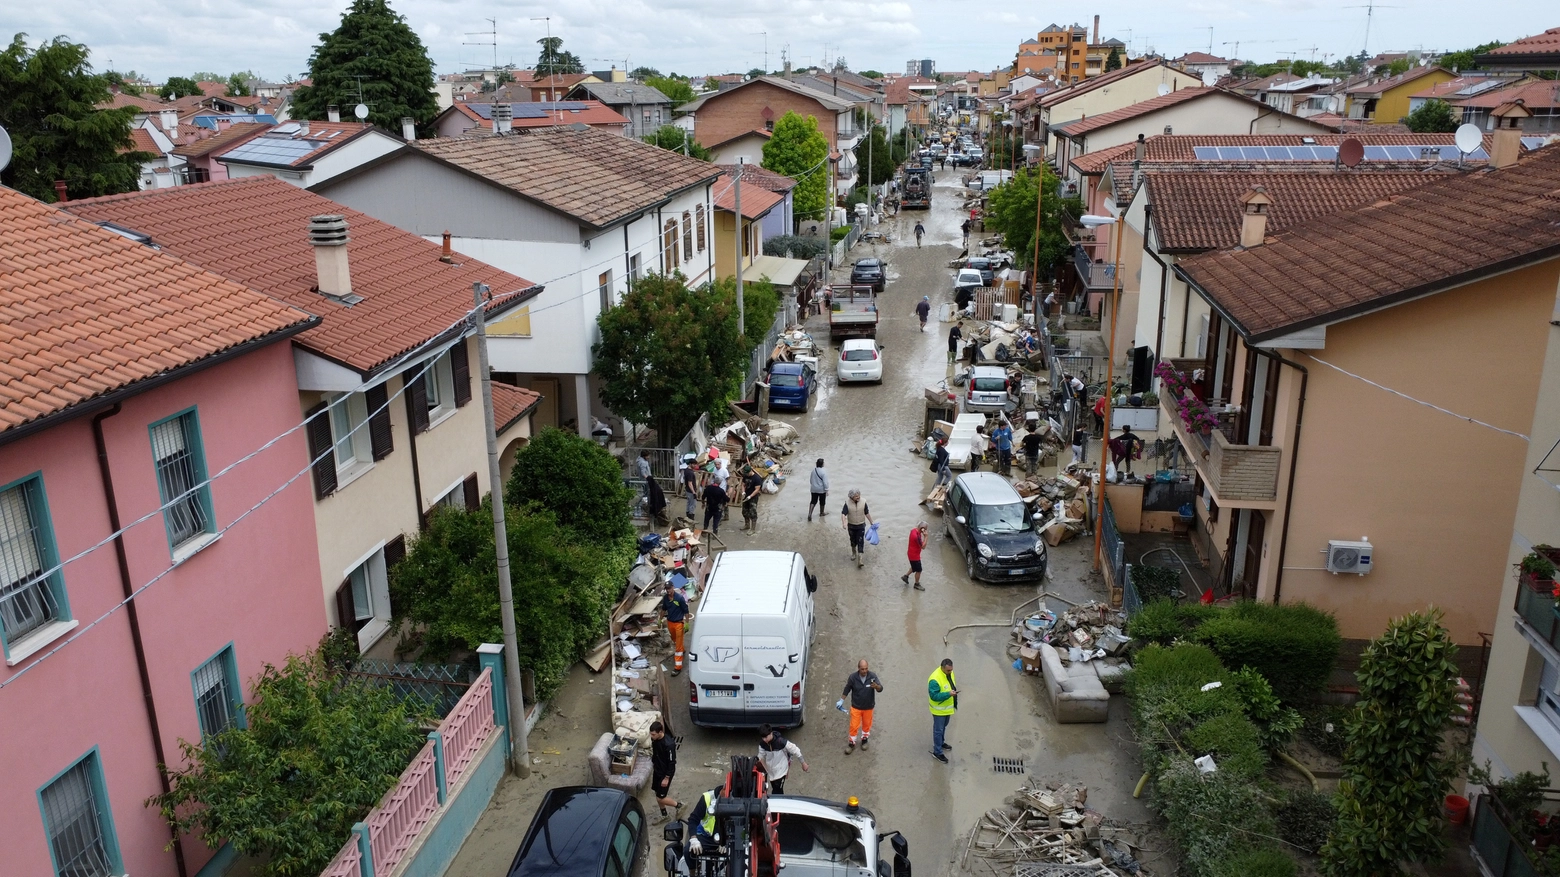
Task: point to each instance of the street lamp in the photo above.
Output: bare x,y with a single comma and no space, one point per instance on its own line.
1091,221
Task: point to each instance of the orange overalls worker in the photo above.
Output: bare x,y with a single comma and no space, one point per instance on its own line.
861,687
675,605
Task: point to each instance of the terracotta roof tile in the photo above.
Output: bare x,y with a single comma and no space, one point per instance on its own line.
254,231
1534,94
141,140
756,201
234,134
1424,240
510,404
542,114
1548,41
594,176
1201,210
1383,85
325,136
768,179
1153,104
88,311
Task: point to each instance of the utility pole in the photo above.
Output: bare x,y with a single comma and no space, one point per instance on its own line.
741,239
765,35
519,750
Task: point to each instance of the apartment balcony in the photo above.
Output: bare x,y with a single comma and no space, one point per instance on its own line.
1503,842
1536,608
1239,476
1096,273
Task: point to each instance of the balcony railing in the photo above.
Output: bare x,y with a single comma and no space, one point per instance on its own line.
1237,474
1500,844
1536,606
1094,274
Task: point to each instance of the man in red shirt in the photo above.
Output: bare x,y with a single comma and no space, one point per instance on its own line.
917,542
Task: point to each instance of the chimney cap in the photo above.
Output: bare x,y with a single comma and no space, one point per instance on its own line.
328,230
1256,195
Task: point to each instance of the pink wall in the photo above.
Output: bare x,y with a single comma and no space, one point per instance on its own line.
257,587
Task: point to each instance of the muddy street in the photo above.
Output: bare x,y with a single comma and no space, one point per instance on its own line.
865,433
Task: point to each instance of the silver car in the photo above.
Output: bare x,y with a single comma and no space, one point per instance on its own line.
988,391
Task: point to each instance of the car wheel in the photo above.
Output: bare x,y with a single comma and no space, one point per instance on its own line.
969,566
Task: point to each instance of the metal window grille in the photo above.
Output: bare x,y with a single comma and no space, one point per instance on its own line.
71,812
177,474
26,601
213,697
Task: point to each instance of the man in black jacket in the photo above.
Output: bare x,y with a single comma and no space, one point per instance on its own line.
663,764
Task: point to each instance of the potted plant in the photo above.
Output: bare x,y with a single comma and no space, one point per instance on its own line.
1538,571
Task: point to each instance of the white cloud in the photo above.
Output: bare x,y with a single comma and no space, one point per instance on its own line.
160,38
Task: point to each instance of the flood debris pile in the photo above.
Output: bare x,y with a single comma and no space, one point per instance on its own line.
1089,633
1009,344
1049,823
1064,499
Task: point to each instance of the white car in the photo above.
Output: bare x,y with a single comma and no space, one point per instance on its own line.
861,359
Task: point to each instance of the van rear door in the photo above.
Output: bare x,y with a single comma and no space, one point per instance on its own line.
767,670
718,671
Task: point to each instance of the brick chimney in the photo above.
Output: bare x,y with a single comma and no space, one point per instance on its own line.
1507,144
59,191
502,118
1253,221
408,129
328,235
1141,150
333,114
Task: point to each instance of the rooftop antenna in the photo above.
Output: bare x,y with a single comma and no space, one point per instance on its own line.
1210,39
1370,8
551,66
765,35
491,41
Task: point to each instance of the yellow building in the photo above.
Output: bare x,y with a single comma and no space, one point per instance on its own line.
757,202
1385,101
1322,357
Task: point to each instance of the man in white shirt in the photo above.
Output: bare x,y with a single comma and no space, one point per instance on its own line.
978,445
775,754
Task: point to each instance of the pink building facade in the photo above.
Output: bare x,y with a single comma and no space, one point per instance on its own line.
72,796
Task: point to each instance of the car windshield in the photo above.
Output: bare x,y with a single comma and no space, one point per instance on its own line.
991,385
785,380
858,354
1009,517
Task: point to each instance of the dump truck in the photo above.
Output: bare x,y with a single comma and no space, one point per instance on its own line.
754,834
917,188
853,311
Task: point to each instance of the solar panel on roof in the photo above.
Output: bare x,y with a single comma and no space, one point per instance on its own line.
271,150
1253,153
1229,153
1206,153
1533,142
1325,153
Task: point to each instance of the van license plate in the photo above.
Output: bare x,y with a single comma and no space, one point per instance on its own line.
716,692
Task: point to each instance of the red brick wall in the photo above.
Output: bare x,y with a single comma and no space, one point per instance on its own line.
725,116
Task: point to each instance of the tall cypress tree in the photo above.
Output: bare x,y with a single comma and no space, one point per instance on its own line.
377,48
48,104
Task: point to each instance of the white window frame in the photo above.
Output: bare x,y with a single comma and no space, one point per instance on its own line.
351,446
454,497
377,583
439,383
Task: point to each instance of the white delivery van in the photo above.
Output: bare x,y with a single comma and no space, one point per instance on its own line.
751,641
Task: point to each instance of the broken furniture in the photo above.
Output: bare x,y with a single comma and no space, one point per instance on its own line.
1076,692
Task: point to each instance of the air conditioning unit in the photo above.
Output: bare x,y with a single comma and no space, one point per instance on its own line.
1348,557
1069,188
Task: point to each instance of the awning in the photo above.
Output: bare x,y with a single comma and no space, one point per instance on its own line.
776,269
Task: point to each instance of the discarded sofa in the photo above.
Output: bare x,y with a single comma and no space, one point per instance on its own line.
1077,695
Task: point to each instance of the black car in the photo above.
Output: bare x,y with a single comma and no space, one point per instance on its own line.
868,272
994,528
581,831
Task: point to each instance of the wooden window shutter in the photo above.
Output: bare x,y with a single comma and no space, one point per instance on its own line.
395,551
473,496
417,403
320,452
460,370
346,611
379,435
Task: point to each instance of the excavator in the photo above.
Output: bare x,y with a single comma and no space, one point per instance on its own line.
757,835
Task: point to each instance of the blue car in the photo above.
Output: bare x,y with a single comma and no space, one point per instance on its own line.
791,385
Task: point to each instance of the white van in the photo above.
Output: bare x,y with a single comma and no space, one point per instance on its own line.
751,641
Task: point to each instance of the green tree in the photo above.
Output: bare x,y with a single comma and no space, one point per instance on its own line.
799,150
643,73
564,586
575,480
316,754
668,353
870,74
760,303
1395,775
377,48
1010,209
553,59
677,89
236,86
179,86
756,72
1399,67
675,139
1113,60
875,153
120,82
711,84
49,105
1463,61
1433,117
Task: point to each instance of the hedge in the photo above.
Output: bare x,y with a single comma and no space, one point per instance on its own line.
1293,645
1154,582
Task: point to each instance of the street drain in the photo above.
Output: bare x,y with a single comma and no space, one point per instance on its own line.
1007,765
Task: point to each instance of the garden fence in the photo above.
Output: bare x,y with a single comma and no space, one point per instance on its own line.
441,686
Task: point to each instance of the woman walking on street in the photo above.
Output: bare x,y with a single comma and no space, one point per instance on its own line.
820,490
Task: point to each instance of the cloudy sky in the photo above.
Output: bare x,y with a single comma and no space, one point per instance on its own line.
159,38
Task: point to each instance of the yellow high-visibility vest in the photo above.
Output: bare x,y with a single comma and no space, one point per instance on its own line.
944,683
708,825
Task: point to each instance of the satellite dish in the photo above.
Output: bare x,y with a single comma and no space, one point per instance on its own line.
1469,138
361,111
1164,89
5,149
1351,152
1210,79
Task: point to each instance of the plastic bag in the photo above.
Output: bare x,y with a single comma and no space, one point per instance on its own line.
770,486
872,535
